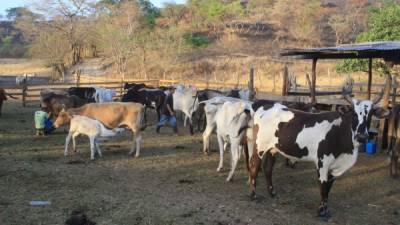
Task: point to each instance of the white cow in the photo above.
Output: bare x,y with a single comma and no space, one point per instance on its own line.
210,109
232,120
94,129
185,100
19,80
103,95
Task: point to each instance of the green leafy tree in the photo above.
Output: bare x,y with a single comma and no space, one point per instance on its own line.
383,25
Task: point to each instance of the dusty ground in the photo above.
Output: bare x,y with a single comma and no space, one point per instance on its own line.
171,183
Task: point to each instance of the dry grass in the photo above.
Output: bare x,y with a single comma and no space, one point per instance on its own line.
21,66
171,183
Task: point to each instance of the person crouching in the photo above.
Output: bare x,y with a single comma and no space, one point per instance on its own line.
42,122
168,114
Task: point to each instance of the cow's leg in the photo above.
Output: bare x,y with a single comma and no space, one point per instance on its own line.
221,152
74,141
206,139
290,163
92,147
235,156
185,119
268,166
325,184
145,115
255,164
96,141
393,160
246,153
67,140
137,140
325,187
190,124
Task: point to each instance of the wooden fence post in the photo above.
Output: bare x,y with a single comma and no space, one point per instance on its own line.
24,90
394,90
251,84
384,104
78,77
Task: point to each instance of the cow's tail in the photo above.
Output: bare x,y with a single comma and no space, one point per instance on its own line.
246,126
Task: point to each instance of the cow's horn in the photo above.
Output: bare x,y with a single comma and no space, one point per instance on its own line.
378,98
347,97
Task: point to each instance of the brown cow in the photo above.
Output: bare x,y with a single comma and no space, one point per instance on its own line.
56,102
112,115
3,97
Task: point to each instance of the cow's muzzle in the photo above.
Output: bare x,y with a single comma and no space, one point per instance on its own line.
362,138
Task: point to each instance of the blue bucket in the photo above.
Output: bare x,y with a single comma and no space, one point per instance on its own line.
370,148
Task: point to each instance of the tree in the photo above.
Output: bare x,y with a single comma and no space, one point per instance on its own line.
297,20
118,32
349,20
67,16
18,12
383,25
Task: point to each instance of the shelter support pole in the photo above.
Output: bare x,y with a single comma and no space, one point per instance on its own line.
369,78
313,81
285,78
251,84
384,104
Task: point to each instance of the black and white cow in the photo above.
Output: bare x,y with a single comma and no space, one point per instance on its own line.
86,93
330,140
151,98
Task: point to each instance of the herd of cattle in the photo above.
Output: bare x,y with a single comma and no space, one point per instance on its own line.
259,129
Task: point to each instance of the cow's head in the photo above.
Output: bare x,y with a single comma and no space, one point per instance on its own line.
362,112
62,118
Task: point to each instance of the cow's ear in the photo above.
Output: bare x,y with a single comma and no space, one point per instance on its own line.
344,109
380,112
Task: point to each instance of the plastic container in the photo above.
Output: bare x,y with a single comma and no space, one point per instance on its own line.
370,147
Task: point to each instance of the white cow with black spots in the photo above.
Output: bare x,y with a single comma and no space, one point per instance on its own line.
330,140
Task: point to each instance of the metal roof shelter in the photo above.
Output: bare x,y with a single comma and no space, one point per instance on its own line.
386,50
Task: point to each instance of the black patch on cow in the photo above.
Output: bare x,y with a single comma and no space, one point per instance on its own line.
337,141
86,93
266,104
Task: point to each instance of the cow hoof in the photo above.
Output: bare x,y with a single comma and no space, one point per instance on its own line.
219,169
253,196
229,179
136,156
324,214
272,193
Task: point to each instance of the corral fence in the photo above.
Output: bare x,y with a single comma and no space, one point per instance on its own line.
31,92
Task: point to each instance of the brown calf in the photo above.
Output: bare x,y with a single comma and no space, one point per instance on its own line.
112,115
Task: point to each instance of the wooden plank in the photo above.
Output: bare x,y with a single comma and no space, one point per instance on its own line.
317,93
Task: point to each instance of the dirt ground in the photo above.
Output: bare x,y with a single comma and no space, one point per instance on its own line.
171,182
